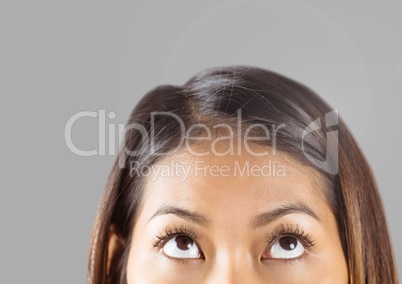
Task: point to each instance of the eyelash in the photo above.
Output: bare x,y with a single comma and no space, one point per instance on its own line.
168,233
289,230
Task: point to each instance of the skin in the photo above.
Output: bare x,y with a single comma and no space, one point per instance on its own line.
235,247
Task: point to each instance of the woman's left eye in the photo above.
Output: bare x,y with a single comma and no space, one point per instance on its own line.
181,246
286,247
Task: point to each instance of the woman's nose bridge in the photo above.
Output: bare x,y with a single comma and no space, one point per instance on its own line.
235,266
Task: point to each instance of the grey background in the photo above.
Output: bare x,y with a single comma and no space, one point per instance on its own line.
61,57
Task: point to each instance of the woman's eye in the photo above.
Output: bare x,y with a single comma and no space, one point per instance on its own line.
286,247
181,246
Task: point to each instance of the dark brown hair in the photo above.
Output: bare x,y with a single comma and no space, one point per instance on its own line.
217,95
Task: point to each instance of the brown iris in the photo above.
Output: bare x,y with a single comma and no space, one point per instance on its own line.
288,243
184,242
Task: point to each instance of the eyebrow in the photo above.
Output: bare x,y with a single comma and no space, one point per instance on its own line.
259,221
182,213
291,208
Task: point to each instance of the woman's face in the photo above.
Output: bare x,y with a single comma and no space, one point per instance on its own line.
235,219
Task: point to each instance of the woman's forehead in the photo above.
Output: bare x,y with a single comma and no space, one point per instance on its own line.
244,182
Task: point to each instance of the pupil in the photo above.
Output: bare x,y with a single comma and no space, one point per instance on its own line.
288,243
183,242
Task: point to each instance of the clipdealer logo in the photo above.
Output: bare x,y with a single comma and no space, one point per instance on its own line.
330,164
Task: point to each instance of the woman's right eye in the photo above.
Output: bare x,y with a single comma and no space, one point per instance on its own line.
181,246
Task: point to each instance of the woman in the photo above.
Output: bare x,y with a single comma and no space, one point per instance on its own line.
239,176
